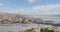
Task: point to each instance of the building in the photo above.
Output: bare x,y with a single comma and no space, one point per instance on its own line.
20,20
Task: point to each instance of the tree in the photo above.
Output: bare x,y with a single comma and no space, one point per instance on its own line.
46,30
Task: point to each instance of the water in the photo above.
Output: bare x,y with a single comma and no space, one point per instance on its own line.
55,18
20,27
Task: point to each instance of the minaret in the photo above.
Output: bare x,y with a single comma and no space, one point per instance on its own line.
36,29
39,28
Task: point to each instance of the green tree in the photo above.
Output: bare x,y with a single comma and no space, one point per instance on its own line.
51,31
46,30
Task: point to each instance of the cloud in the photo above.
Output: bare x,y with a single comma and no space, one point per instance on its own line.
47,9
39,10
12,12
32,1
1,4
25,11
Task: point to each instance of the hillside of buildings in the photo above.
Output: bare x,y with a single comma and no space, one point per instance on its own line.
6,18
9,18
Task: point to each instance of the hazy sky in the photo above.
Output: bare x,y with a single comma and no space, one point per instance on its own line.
30,7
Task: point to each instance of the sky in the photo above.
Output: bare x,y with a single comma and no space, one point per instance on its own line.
30,7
